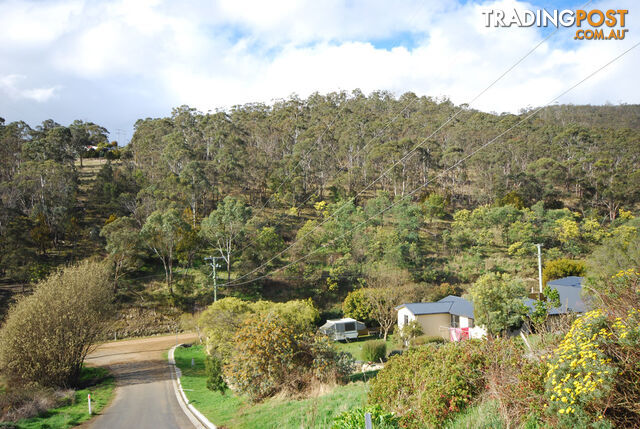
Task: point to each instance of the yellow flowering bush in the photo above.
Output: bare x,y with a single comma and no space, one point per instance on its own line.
592,377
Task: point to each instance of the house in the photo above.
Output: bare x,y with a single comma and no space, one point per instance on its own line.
570,292
450,318
342,329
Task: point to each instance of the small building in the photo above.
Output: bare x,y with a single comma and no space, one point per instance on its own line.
450,318
342,329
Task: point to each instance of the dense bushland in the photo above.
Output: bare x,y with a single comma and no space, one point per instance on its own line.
262,175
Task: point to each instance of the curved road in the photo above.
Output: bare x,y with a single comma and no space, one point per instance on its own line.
144,395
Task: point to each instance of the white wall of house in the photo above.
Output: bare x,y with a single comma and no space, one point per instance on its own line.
405,315
465,322
438,324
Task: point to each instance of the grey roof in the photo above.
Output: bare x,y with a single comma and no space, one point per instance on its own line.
567,281
460,307
570,291
449,305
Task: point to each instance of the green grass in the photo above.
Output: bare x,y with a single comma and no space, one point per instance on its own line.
233,411
483,415
355,346
76,413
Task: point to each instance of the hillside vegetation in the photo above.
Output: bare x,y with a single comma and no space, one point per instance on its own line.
330,191
339,204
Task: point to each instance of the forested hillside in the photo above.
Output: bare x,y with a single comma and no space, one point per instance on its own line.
331,191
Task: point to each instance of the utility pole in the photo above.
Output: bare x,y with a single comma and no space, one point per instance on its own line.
213,261
539,246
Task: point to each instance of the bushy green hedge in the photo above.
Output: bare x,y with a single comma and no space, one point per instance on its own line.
213,370
373,351
427,385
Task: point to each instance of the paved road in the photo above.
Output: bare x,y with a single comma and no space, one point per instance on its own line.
144,396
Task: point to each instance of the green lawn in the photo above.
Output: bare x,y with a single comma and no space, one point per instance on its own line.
355,346
237,412
76,413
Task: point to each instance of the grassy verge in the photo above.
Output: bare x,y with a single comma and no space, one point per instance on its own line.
101,386
233,411
355,346
483,415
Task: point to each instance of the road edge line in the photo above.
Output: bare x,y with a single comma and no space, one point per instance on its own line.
195,416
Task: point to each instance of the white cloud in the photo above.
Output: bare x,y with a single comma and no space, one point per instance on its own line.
217,54
28,24
10,85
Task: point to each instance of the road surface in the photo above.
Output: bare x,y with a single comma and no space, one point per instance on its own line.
144,395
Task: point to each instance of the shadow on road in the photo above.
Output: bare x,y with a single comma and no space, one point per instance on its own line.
136,352
128,374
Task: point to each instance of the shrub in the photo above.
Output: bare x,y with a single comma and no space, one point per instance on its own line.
223,318
594,372
23,402
436,293
435,206
560,268
219,323
516,381
497,300
427,339
48,334
354,418
270,356
426,385
374,351
299,314
410,331
357,306
213,372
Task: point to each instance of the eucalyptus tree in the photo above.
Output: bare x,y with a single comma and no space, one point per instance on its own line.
161,233
224,228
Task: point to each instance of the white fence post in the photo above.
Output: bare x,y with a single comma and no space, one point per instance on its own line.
367,421
89,401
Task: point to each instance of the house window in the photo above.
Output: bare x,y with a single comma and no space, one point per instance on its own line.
455,321
406,319
471,324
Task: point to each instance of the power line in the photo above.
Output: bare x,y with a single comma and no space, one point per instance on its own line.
380,132
460,161
410,153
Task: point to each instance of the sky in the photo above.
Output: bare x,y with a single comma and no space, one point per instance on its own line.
113,62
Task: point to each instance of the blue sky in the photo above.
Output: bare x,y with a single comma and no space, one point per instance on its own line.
113,62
